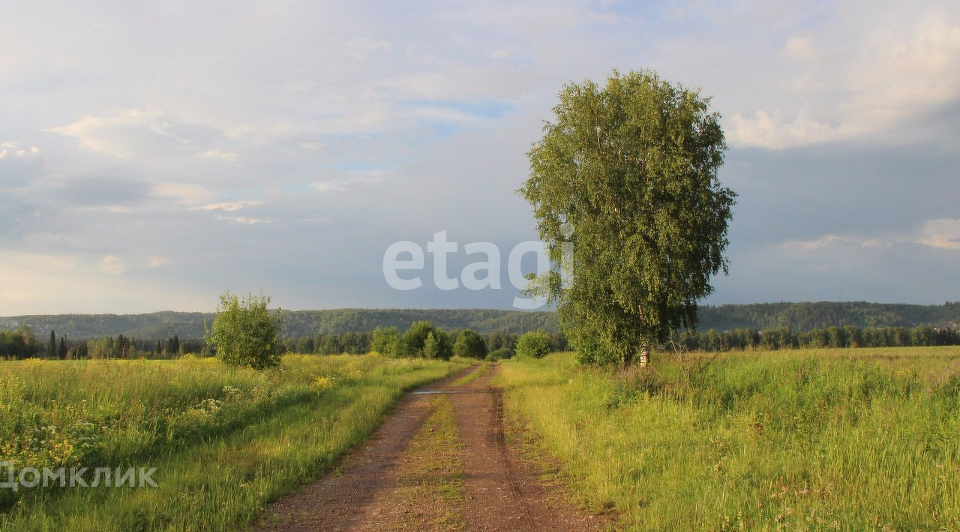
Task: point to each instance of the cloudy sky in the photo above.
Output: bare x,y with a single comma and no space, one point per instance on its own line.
155,154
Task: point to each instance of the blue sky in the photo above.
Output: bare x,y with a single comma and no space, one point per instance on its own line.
153,155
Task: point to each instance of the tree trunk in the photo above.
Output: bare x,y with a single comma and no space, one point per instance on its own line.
644,356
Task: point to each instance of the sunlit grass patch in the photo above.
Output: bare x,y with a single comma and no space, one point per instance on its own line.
224,440
812,440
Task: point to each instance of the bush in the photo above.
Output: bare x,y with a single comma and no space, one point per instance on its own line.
500,354
470,344
386,341
245,333
534,345
415,342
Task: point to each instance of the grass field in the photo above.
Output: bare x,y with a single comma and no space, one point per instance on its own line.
851,440
224,440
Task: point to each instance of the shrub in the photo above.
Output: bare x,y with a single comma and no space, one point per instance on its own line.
414,342
500,354
470,344
386,341
245,333
534,345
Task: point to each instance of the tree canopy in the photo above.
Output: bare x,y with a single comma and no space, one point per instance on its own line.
470,344
627,174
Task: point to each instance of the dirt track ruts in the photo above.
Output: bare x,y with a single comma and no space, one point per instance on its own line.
500,491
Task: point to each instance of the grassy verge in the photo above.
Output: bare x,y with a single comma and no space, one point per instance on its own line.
249,436
806,440
432,472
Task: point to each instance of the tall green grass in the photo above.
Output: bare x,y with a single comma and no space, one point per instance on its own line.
224,440
802,440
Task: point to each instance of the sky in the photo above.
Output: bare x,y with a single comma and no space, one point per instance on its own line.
156,154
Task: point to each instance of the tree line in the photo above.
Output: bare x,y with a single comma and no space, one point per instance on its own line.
823,315
22,343
297,324
422,339
834,337
413,342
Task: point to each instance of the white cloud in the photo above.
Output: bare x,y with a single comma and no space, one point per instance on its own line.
184,194
766,131
114,134
879,77
231,206
353,178
112,265
816,244
13,150
328,186
156,261
800,48
228,156
116,209
243,220
941,234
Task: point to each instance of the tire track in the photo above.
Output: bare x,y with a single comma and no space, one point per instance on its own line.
499,492
501,441
345,499
503,494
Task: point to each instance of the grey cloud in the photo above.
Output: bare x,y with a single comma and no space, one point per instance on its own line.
96,192
808,192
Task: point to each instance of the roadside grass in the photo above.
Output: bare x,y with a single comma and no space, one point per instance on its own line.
224,440
433,473
793,440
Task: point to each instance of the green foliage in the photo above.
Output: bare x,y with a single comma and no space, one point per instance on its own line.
386,341
19,344
470,344
259,430
431,347
833,337
803,440
52,345
628,174
805,317
500,354
246,333
534,345
417,340
800,317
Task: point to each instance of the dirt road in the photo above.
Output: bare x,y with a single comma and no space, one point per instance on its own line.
439,463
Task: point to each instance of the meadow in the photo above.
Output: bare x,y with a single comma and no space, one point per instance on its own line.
853,440
224,440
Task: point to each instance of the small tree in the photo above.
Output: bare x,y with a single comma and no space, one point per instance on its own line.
533,345
414,341
470,344
386,341
245,333
431,347
52,345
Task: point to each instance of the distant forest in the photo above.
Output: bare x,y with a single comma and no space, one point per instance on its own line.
799,317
